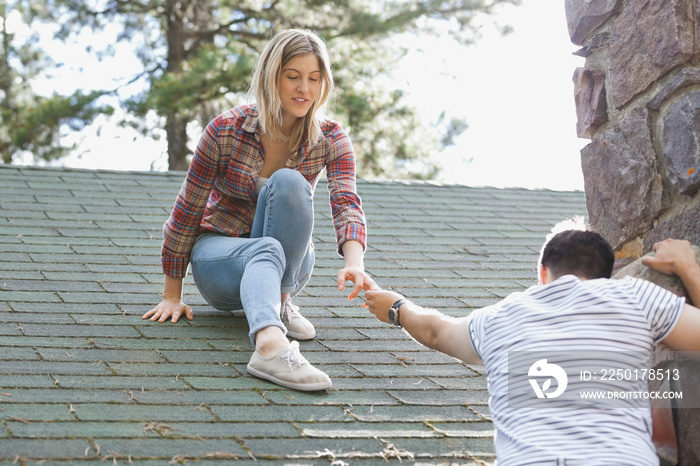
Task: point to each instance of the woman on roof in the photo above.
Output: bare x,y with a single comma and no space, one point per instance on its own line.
244,215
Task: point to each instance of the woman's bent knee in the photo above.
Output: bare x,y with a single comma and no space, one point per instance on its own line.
287,175
290,185
269,249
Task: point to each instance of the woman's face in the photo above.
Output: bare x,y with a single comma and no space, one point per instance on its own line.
299,82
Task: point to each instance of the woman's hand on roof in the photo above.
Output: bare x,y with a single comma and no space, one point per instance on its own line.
169,308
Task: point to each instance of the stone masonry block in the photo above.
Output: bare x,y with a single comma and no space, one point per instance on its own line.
684,78
649,38
624,191
589,95
684,226
583,17
681,143
670,282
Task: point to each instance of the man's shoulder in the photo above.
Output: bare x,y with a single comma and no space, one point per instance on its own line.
572,281
561,287
500,306
628,283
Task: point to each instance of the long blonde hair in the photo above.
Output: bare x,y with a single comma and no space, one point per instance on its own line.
264,87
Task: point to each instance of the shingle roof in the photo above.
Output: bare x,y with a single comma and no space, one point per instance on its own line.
84,378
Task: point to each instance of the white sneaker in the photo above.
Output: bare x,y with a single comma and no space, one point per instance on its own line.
297,325
289,369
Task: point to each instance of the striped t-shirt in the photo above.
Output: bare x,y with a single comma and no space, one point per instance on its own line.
628,315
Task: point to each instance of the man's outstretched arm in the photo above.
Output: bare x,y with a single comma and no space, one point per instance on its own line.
427,326
677,257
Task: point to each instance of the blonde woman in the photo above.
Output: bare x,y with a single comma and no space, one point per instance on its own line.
243,217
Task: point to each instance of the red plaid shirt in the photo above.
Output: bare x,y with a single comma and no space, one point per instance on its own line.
218,194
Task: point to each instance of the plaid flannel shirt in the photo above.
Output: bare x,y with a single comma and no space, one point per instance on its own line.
218,194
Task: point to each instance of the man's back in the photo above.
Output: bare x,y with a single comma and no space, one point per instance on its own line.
621,321
580,317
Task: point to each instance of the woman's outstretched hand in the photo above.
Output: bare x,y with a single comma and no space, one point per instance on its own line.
169,308
359,277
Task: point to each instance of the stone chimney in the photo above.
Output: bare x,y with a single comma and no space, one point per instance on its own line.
638,101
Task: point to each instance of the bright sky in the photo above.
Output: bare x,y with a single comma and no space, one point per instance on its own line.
515,92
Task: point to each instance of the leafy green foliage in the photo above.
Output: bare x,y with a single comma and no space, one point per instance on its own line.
36,126
30,123
197,57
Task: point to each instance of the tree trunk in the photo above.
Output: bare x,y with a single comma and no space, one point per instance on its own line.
6,77
176,130
175,126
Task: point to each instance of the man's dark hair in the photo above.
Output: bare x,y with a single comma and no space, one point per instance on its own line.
582,253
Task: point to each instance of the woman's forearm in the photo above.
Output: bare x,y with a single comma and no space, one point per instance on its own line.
353,253
172,289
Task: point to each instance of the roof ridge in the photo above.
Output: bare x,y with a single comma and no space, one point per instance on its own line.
178,173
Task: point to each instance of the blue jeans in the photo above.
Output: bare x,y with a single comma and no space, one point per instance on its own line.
250,273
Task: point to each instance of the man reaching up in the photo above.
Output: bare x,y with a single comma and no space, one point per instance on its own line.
577,309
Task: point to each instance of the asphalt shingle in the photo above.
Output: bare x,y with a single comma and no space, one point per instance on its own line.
84,379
